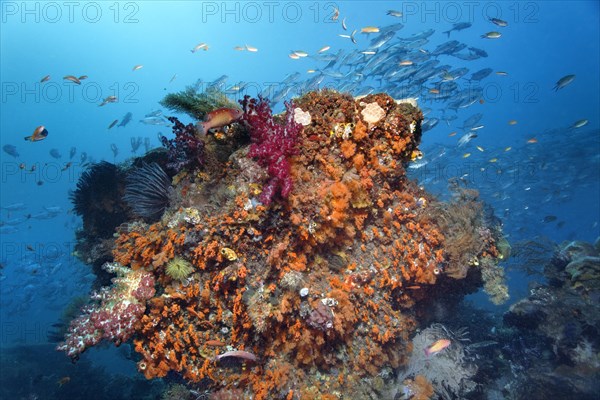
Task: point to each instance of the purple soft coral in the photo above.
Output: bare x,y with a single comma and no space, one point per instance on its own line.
272,144
185,149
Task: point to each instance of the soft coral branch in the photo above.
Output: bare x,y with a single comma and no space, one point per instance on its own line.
185,149
114,315
272,144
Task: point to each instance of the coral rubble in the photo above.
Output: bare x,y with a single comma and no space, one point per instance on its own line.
313,257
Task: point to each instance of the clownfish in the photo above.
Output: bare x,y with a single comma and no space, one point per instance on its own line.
40,133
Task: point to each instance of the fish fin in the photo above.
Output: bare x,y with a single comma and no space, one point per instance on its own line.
28,138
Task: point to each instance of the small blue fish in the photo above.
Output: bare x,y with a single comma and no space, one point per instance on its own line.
10,150
55,153
14,207
125,120
5,230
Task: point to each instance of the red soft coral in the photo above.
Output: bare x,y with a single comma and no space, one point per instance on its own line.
272,144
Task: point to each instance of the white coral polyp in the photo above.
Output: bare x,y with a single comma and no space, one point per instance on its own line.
302,117
372,113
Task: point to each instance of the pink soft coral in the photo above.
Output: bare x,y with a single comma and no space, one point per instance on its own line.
115,313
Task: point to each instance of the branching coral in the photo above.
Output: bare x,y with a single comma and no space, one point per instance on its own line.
494,281
459,221
470,244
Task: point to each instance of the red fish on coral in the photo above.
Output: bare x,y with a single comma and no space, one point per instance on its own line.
218,118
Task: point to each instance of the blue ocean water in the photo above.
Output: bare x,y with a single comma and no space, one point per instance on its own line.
544,182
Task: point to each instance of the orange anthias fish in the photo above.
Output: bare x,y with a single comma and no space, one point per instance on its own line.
40,133
218,118
437,347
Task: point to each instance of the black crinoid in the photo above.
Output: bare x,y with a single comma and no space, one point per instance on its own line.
148,191
98,199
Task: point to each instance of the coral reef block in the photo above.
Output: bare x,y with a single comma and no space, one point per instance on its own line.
315,289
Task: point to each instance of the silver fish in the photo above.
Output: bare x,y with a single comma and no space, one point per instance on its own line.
466,138
580,123
491,35
155,121
498,22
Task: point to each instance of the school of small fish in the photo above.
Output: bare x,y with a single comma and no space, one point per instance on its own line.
362,59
